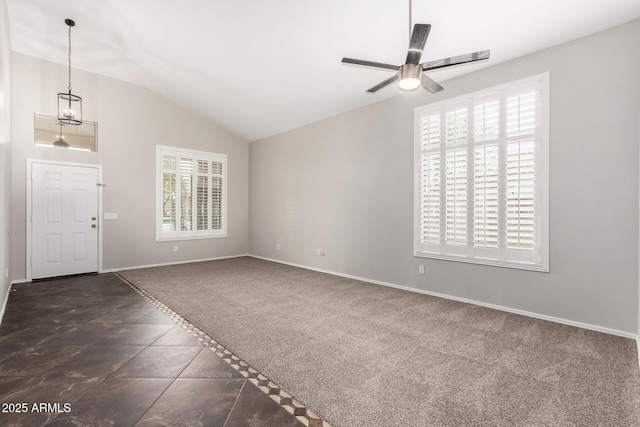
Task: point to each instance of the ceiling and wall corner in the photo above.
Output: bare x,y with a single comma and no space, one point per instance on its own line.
5,157
261,68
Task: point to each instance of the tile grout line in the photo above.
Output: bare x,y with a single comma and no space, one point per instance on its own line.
235,402
173,380
281,397
156,400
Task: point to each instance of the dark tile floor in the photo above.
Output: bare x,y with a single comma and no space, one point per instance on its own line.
89,350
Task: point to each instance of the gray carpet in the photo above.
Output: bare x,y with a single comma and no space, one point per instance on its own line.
361,354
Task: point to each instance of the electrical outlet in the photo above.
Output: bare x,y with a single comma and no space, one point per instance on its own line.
175,249
277,246
421,269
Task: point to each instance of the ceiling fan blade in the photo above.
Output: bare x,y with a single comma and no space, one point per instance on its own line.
370,64
383,84
429,84
418,39
455,60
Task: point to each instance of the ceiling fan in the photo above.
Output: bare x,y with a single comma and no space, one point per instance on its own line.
411,75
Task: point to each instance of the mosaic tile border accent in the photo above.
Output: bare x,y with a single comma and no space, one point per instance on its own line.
284,399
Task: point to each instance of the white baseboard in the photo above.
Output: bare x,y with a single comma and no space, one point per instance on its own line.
469,301
4,303
112,270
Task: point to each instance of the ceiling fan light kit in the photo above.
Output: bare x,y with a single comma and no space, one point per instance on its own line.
409,77
69,105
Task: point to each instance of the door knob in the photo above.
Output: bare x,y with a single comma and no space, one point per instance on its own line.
93,218
93,226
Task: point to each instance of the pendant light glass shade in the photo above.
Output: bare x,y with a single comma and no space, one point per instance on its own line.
69,105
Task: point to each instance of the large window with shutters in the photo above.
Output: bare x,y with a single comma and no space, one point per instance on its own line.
481,190
191,194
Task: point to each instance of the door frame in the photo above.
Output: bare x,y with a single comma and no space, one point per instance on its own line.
29,181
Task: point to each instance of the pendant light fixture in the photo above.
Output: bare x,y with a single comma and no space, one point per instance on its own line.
69,105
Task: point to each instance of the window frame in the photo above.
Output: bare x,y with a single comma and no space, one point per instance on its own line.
163,235
501,256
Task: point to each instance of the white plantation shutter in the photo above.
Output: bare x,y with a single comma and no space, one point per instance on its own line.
186,194
202,203
521,200
456,131
202,194
486,158
169,217
486,121
456,197
191,194
430,198
486,196
430,179
482,177
216,197
521,168
457,124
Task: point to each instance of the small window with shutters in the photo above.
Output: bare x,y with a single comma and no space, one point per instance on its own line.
481,189
191,194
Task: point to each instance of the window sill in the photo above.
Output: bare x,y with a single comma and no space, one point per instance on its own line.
173,239
484,261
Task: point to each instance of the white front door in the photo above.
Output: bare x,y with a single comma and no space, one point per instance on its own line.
64,220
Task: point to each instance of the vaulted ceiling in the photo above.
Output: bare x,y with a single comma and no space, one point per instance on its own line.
259,67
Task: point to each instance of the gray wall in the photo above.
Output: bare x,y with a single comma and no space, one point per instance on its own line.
5,153
345,185
131,120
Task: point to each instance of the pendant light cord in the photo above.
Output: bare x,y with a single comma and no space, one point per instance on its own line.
69,57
